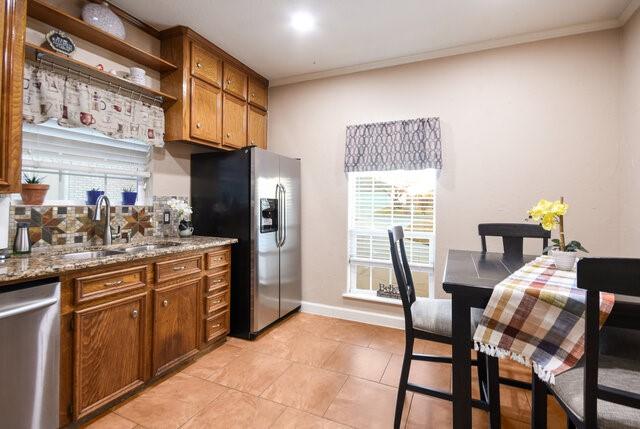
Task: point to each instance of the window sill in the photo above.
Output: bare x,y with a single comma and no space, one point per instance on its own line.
372,298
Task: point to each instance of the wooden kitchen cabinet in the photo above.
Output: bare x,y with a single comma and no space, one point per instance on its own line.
175,334
109,352
13,14
124,326
235,81
205,65
234,122
214,90
257,93
257,128
206,108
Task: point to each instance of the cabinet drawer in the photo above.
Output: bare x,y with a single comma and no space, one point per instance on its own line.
205,65
218,258
235,81
216,303
257,93
216,326
96,286
178,268
216,282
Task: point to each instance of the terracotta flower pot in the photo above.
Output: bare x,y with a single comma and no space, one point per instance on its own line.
33,194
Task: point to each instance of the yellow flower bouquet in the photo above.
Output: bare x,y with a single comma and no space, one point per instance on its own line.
550,215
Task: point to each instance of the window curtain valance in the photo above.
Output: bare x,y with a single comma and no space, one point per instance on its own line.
74,103
412,144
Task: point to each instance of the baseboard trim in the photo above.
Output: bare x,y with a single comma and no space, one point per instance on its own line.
353,315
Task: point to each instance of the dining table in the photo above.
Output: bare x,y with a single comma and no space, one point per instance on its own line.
469,277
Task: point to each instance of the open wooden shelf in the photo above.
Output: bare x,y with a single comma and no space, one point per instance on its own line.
61,60
61,20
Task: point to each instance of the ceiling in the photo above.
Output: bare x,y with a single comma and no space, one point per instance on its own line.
353,35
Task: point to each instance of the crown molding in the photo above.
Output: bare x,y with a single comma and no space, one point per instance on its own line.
464,49
628,12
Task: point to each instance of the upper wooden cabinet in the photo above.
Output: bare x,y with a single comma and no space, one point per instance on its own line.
257,93
214,92
13,14
257,128
205,65
234,122
235,81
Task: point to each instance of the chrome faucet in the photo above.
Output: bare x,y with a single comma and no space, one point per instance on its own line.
108,234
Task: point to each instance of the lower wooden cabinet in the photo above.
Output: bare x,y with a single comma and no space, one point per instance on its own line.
175,335
125,325
109,352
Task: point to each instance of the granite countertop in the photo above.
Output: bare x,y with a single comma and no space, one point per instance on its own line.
49,261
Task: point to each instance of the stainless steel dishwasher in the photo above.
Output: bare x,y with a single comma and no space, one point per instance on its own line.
29,355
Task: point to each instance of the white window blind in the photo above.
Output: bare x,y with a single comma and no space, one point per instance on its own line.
377,201
74,160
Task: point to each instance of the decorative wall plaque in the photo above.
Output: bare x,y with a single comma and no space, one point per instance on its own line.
60,42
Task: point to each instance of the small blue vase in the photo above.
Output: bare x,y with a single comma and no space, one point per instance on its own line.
92,197
129,198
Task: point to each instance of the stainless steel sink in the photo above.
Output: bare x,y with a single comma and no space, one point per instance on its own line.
146,247
91,255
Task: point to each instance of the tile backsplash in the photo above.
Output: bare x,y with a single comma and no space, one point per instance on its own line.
51,225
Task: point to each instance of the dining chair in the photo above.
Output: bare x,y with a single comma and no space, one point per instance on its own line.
513,235
430,319
602,390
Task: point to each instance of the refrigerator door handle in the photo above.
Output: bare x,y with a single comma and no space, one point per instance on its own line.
284,216
279,204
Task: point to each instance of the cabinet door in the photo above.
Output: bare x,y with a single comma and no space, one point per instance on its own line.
205,65
257,93
234,122
109,352
257,134
206,111
235,81
175,329
13,18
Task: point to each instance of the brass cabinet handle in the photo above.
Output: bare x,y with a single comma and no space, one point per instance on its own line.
218,258
165,303
198,125
228,135
253,95
179,268
116,283
199,65
216,302
228,82
252,142
216,326
134,314
217,281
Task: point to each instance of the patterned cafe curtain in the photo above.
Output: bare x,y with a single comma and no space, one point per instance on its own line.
74,103
412,144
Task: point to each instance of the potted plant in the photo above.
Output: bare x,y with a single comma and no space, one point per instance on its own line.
92,196
183,211
33,190
129,196
550,215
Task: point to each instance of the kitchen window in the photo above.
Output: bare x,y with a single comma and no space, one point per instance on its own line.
378,200
75,160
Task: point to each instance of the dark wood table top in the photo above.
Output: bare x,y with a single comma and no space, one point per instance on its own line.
476,274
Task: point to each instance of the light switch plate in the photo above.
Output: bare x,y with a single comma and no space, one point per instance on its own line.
166,217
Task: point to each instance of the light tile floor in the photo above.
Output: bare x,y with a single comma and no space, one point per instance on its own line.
311,372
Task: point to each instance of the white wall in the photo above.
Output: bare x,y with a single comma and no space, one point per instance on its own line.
630,147
518,124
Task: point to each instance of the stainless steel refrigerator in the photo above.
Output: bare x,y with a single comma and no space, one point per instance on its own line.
253,195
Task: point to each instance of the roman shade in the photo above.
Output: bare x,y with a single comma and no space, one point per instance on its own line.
74,103
412,144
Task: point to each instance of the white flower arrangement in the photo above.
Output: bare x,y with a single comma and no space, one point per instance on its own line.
181,207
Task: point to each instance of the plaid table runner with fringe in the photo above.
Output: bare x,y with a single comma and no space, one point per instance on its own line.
536,317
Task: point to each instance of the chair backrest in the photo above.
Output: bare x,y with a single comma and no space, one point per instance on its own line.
614,275
403,273
513,235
